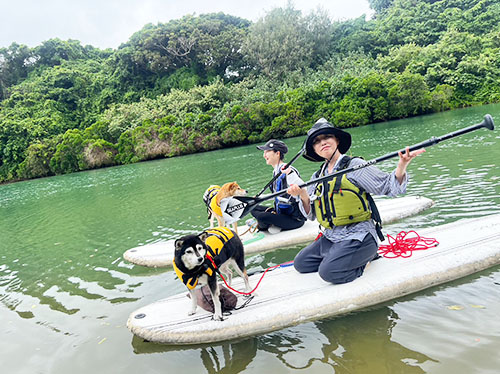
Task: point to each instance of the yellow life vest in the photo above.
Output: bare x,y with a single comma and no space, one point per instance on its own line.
215,208
216,240
340,202
211,201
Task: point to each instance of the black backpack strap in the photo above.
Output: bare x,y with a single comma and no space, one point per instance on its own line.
329,213
324,189
376,217
343,163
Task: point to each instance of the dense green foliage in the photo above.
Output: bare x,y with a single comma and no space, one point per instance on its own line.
213,81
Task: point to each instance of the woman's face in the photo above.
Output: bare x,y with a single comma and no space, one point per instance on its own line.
272,157
325,145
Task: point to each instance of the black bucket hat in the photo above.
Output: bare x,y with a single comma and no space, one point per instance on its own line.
274,145
322,126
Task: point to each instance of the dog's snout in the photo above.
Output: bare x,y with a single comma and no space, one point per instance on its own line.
200,259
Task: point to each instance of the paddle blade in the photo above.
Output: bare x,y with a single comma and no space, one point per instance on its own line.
236,207
488,122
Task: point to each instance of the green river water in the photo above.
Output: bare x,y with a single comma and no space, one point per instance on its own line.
66,292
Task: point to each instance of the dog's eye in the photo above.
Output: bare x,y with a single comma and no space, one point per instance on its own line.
199,247
190,251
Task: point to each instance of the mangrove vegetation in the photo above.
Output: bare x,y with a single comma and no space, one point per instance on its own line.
212,81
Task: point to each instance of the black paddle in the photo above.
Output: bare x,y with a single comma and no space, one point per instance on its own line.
302,150
244,204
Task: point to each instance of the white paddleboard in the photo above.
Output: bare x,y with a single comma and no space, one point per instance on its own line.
161,253
286,298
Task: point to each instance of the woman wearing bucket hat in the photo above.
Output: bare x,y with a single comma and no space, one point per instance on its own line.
285,214
343,205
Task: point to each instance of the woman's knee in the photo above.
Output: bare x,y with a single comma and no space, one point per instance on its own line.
303,263
300,265
338,276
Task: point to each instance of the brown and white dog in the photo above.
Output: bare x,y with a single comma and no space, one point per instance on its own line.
212,198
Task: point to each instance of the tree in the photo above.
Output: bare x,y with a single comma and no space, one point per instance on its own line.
380,5
210,44
53,52
284,41
408,95
15,63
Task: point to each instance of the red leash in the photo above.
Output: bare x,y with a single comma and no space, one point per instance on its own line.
260,280
402,246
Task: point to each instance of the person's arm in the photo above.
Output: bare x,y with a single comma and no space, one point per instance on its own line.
404,161
292,177
377,182
302,194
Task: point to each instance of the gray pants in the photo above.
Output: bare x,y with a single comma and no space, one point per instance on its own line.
339,262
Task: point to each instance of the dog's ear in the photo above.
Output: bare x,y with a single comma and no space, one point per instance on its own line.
203,236
178,244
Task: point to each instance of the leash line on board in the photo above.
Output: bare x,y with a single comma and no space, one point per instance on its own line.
285,264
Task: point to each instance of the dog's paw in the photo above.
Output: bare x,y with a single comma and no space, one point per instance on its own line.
191,312
217,318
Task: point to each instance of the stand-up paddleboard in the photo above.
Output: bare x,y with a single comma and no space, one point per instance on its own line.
161,253
286,298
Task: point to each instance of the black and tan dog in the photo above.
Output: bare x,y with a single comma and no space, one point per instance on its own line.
193,267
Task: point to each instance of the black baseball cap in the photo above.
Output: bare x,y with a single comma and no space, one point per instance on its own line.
274,145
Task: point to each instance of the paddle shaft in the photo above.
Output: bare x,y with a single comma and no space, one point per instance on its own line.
487,123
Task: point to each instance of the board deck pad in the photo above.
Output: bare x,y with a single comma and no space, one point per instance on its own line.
285,297
160,254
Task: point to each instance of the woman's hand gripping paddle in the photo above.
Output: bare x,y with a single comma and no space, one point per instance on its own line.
237,207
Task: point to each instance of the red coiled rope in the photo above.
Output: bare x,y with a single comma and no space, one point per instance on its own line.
402,246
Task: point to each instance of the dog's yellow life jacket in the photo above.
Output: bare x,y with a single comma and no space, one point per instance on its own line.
218,237
215,208
211,201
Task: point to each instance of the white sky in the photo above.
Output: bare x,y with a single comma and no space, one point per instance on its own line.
108,23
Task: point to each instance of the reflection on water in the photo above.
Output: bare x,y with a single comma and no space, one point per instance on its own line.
232,357
63,280
353,343
460,323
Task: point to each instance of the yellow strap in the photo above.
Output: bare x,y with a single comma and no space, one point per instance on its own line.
215,208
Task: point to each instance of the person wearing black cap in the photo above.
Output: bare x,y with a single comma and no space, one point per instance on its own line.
343,205
285,214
